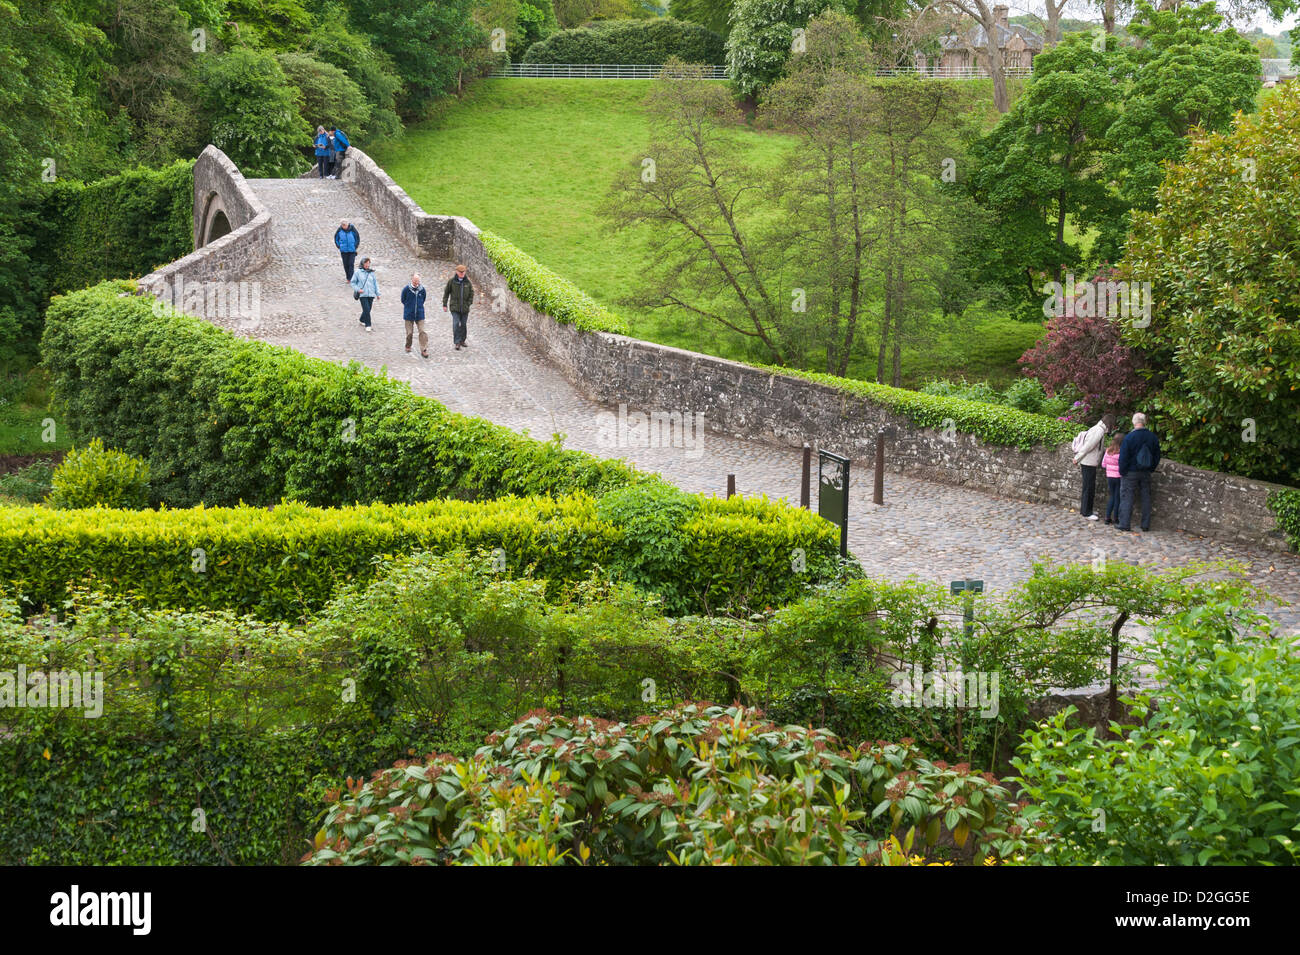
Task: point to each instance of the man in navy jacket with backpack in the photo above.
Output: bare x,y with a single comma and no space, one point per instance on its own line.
1138,457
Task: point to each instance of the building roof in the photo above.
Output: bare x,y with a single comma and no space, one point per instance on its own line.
1008,37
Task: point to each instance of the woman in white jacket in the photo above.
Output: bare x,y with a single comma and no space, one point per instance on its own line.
1089,446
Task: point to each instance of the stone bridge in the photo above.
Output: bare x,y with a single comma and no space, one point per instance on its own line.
953,508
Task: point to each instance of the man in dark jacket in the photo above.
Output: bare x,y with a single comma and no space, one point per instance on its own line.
1138,457
460,293
413,313
348,241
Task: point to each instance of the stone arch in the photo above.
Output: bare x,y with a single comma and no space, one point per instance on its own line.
214,223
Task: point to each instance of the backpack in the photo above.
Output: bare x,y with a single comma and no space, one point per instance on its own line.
1142,460
1080,442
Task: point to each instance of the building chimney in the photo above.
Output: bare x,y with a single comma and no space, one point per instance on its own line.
1000,16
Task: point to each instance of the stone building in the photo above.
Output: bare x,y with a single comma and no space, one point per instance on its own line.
964,51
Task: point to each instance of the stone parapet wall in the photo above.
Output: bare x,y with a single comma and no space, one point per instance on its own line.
245,249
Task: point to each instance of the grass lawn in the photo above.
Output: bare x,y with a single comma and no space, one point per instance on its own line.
24,407
532,159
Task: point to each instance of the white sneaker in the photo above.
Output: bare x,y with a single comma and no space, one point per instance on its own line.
371,328
1093,517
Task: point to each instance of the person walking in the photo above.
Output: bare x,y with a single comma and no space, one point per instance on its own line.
1089,446
322,152
1139,454
347,239
413,313
1110,462
365,289
460,293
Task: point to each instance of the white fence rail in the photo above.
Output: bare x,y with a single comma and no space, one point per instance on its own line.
649,71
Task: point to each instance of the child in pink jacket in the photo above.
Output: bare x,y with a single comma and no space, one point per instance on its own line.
1110,461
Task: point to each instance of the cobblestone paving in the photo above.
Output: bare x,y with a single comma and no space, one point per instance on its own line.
933,531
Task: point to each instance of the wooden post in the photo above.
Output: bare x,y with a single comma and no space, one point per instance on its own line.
805,490
731,485
878,496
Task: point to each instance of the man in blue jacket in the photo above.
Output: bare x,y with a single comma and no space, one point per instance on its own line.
341,145
413,313
1138,457
348,240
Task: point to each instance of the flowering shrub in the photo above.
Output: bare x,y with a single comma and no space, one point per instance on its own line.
697,784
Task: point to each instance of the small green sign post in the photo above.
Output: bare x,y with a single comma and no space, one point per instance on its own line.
833,493
970,588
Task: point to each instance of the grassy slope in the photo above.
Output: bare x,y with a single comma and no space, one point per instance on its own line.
531,160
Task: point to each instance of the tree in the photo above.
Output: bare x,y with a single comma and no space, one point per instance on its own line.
253,113
696,190
1186,74
329,97
1039,168
982,13
428,41
763,35
714,14
1224,339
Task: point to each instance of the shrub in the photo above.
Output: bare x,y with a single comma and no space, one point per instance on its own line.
1213,775
1223,339
995,424
97,476
329,96
223,420
547,292
630,42
277,562
1286,505
694,785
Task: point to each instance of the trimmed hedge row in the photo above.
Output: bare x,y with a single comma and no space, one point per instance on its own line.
631,42
996,424
547,292
123,225
282,562
223,420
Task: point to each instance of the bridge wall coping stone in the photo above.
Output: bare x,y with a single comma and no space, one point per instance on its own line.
246,248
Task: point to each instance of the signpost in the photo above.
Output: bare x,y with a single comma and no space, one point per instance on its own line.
970,588
833,493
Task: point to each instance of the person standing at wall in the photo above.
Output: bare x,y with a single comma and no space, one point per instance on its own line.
413,313
1110,461
459,292
365,289
322,152
1089,446
341,145
347,239
1139,455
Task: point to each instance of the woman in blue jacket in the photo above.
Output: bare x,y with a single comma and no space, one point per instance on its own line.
365,289
322,152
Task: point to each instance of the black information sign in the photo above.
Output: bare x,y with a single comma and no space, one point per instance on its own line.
833,493
969,588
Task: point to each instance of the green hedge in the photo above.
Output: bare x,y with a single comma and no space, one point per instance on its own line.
1286,505
223,420
631,41
125,225
279,563
546,291
996,424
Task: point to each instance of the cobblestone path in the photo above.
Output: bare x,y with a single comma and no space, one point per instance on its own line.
930,530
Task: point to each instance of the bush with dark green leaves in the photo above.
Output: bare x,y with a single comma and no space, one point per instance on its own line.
630,42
